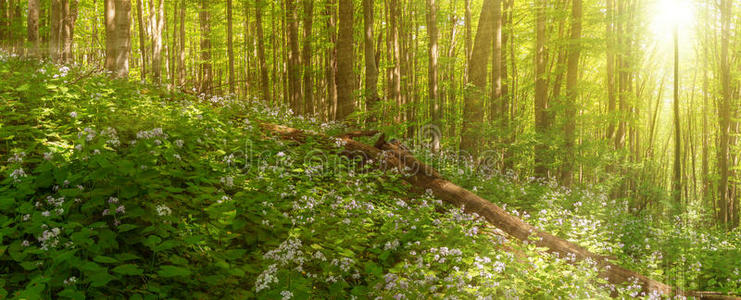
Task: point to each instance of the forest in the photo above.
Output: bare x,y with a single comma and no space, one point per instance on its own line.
361,149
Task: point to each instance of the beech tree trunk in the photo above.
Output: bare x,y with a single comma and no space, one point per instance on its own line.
229,46
69,17
344,77
294,62
181,57
572,91
142,44
724,119
496,66
55,29
118,35
541,90
473,111
206,79
33,27
306,57
158,16
261,52
371,69
432,70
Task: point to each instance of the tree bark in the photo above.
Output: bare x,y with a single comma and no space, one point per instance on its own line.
55,32
308,108
541,93
181,57
118,35
724,120
677,184
206,80
344,77
33,27
432,70
261,52
142,44
294,61
69,17
496,66
572,91
158,16
229,46
371,69
473,111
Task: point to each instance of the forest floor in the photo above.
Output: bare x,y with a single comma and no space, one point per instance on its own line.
113,188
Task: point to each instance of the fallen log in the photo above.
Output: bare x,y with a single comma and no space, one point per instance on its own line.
418,174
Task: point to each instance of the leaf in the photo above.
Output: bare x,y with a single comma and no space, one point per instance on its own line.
105,259
128,269
100,279
126,227
23,88
172,271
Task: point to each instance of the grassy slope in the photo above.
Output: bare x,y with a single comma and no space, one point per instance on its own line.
128,190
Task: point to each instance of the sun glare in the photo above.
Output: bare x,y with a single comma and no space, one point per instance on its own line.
670,13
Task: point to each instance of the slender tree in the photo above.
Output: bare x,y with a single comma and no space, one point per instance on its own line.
261,51
206,78
432,70
344,76
541,92
306,56
371,68
724,109
572,91
33,27
229,46
473,112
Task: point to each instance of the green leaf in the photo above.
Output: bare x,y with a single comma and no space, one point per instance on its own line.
105,259
126,227
172,271
128,269
100,279
23,88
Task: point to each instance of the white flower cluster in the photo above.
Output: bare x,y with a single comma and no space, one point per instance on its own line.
150,134
49,238
163,210
62,72
17,157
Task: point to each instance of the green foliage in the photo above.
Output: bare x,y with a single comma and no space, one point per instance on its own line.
128,190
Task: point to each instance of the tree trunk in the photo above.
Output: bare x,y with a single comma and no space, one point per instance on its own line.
496,66
306,52
395,59
261,52
371,69
432,55
33,27
724,120
158,16
344,76
118,35
541,93
610,28
55,33
142,44
473,111
572,92
69,17
294,62
181,57
677,184
206,80
229,46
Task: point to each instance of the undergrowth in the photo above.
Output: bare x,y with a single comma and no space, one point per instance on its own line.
112,189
